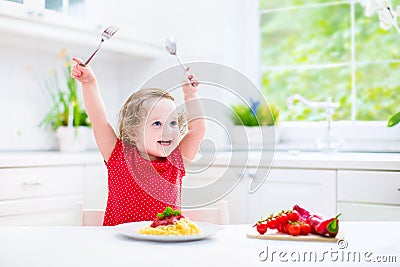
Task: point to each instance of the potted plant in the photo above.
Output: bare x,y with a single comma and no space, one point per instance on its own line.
254,124
66,117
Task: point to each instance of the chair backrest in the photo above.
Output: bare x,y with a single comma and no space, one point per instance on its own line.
216,213
92,217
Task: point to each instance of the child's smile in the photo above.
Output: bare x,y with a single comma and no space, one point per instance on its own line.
165,143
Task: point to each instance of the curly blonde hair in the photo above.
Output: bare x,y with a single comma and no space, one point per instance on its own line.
133,113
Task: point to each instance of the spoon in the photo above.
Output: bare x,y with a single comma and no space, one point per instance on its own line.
170,45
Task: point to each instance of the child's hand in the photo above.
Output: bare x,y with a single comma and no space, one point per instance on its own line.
191,85
82,74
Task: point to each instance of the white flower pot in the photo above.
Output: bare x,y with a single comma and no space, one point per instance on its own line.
246,137
73,139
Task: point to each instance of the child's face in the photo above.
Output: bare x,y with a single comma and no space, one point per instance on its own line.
159,132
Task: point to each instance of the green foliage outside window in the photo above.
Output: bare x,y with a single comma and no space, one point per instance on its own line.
306,49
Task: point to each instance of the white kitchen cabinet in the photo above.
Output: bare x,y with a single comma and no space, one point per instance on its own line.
314,190
204,186
41,195
96,187
61,12
368,212
80,23
369,195
55,211
44,188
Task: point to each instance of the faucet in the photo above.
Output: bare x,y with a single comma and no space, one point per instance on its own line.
313,104
327,143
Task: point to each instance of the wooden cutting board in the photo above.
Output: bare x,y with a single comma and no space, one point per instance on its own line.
274,235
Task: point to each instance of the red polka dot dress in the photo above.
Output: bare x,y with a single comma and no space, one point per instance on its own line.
138,189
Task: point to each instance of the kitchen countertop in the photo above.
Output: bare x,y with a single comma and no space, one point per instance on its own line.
365,243
48,158
306,160
280,159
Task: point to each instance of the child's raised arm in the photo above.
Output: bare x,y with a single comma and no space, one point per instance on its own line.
190,144
103,132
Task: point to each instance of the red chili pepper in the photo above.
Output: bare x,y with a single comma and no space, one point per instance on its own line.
304,214
331,226
319,225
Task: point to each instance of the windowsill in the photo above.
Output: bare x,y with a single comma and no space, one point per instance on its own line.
364,137
353,146
357,137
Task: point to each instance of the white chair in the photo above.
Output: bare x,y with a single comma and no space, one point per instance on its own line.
216,213
88,217
92,217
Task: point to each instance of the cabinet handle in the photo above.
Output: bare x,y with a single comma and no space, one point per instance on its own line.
30,184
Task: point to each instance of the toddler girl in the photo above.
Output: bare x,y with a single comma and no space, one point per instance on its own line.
146,160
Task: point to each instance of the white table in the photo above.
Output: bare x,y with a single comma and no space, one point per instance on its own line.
103,246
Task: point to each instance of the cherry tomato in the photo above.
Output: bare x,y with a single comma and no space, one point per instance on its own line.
305,229
286,228
294,229
293,216
272,223
282,219
262,228
281,228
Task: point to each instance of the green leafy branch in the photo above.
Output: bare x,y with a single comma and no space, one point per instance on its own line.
64,102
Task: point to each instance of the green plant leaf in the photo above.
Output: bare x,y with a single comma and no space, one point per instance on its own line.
64,102
266,115
394,119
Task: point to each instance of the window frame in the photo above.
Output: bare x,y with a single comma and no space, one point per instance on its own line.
360,136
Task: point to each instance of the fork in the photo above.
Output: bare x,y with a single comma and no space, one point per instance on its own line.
105,35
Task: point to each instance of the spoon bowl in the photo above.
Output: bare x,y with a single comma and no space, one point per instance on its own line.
171,48
170,45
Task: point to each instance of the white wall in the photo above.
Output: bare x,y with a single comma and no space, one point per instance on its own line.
214,31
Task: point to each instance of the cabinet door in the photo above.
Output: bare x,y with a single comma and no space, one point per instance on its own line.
17,183
204,186
368,212
369,195
50,11
41,195
32,182
312,189
369,187
96,187
55,211
16,8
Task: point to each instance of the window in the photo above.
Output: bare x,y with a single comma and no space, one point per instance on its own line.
321,49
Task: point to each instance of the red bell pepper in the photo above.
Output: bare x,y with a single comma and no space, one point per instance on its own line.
319,224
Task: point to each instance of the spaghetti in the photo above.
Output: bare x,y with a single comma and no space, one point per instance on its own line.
182,227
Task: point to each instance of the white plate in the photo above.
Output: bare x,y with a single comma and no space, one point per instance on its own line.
131,230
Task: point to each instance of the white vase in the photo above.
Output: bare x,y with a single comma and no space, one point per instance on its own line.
73,139
254,137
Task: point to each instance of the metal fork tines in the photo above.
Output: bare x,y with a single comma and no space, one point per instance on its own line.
105,35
